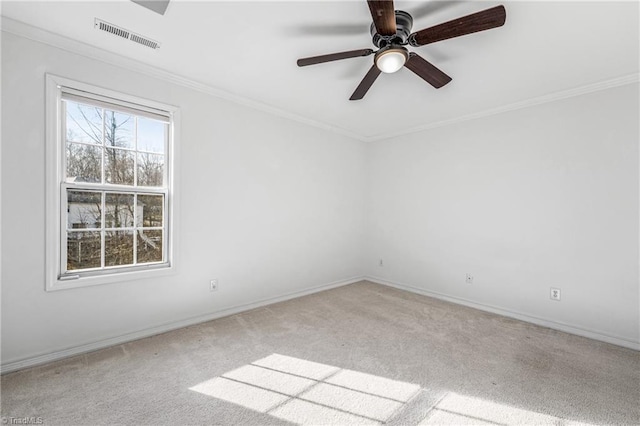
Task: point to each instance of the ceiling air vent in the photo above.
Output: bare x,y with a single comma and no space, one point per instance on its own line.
126,34
144,41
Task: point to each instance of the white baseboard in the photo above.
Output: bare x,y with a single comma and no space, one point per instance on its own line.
163,328
567,328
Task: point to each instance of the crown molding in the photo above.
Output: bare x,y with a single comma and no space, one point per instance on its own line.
552,97
77,47
37,34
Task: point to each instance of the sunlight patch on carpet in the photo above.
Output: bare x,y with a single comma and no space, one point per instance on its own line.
455,409
309,393
305,392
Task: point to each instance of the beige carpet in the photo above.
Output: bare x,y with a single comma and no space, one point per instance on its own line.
360,354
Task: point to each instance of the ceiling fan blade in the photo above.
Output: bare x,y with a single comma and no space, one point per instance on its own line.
427,71
384,16
366,83
479,21
333,57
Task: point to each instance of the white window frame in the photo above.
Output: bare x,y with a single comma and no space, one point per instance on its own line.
56,188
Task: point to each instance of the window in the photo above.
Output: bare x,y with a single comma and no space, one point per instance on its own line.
110,185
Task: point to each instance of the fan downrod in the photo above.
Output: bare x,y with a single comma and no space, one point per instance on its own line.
404,23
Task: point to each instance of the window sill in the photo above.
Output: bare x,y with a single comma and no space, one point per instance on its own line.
66,283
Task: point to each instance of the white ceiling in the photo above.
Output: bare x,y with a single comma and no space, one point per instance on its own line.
249,49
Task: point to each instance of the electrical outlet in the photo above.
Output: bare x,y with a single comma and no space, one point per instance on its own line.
213,284
469,279
555,294
381,263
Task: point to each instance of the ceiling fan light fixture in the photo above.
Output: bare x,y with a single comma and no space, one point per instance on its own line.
391,59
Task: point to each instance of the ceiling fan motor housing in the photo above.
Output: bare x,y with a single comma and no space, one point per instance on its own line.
404,23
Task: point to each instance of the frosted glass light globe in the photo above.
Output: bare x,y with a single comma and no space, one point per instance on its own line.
391,60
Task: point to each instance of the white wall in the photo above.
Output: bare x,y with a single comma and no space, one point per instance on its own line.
538,197
541,197
268,206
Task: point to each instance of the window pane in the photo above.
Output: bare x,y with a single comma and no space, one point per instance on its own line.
83,250
118,248
84,163
119,166
110,183
150,169
119,129
149,246
84,209
151,135
119,210
150,209
84,123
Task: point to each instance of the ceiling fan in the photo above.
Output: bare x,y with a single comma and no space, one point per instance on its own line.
391,32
